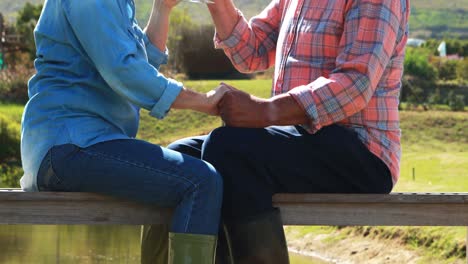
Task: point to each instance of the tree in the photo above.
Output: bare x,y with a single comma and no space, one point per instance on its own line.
435,97
180,22
456,102
25,24
417,64
448,70
462,70
420,76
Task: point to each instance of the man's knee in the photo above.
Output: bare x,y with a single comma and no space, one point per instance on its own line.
189,146
182,145
226,142
177,146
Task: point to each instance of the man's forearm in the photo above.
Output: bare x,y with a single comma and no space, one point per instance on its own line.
283,110
225,17
158,25
240,109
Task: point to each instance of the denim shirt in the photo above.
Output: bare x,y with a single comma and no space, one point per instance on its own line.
95,69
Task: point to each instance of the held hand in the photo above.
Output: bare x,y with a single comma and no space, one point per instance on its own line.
213,98
240,109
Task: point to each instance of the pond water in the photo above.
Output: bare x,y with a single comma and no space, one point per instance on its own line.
27,244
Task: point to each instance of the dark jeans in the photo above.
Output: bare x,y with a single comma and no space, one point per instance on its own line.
257,163
143,172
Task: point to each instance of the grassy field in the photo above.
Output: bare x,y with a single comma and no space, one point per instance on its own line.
434,143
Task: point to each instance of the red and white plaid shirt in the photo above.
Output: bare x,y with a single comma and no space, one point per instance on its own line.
342,60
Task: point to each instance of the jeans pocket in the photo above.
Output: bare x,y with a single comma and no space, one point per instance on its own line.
53,171
46,177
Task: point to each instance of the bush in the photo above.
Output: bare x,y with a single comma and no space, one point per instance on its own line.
10,155
435,97
462,70
417,64
10,175
14,84
448,70
9,140
456,102
202,61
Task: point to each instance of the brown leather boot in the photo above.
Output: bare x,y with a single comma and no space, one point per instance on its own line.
154,244
258,240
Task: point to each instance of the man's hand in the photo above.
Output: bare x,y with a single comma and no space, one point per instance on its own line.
240,109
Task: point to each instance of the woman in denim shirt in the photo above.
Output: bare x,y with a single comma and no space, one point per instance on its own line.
95,69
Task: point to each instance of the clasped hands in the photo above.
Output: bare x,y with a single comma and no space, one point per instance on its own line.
238,108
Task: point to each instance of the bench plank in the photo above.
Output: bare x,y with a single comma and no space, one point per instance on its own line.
397,209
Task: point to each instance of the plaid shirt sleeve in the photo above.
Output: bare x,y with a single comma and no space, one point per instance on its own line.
371,32
252,45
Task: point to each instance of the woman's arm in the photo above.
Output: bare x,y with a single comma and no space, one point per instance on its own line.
124,65
158,24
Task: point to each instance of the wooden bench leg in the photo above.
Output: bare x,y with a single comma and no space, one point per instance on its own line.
466,245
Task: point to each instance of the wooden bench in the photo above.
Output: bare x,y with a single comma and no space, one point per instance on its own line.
396,209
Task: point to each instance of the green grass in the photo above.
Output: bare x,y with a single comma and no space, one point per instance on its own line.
12,111
435,145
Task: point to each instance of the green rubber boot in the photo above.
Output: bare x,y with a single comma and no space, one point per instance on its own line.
191,249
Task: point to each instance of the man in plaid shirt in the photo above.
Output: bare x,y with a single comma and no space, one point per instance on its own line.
331,125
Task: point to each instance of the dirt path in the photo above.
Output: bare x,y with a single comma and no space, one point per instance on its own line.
356,250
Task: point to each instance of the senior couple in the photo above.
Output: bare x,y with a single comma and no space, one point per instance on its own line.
331,125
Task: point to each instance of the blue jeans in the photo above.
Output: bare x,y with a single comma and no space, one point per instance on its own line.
257,163
142,172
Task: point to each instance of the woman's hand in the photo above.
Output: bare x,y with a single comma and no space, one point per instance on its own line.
213,98
203,102
168,4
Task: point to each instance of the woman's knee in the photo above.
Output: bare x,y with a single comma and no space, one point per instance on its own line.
214,183
208,182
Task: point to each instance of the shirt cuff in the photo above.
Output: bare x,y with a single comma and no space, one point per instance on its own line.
163,105
155,56
236,35
305,98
